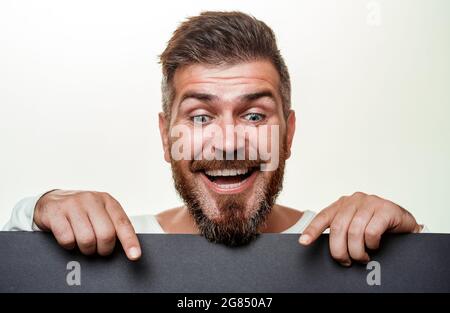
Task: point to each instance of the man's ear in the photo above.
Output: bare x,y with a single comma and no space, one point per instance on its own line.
164,132
290,131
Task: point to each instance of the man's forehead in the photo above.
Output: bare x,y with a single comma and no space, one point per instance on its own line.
226,80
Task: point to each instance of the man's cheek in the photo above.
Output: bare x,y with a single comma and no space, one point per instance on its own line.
209,142
181,138
269,147
196,143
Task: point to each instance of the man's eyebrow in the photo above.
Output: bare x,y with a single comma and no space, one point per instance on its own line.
257,95
205,97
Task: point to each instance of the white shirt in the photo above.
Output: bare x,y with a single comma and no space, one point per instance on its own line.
22,219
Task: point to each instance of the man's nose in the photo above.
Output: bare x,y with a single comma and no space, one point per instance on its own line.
233,141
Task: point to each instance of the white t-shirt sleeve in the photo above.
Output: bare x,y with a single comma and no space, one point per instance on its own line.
22,215
425,229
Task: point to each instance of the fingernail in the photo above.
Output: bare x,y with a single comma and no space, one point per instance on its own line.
305,239
134,253
346,264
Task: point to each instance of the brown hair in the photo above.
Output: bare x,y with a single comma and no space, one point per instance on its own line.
217,38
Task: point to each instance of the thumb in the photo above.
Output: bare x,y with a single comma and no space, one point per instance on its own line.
406,224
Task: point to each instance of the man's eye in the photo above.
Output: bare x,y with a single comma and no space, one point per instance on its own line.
201,119
254,117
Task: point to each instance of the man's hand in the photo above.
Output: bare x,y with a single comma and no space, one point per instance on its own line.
89,219
357,222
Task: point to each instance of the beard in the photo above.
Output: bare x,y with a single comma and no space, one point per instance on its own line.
235,222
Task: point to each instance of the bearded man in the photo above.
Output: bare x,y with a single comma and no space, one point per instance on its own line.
227,128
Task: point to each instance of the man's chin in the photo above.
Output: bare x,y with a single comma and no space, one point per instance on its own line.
222,201
231,218
224,208
229,232
231,223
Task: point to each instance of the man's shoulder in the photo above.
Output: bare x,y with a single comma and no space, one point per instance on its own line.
295,221
170,213
176,220
290,212
164,222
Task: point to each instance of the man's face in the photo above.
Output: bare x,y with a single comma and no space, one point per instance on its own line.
227,141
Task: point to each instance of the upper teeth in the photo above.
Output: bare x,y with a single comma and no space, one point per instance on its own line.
230,172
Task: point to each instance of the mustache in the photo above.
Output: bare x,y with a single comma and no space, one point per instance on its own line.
211,165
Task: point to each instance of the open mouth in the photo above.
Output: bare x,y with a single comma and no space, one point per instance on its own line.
230,180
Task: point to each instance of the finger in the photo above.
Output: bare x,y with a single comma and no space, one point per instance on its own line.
376,227
404,222
338,235
105,232
318,225
356,237
61,229
124,229
83,231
